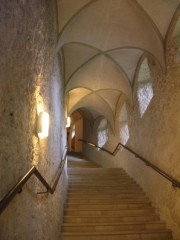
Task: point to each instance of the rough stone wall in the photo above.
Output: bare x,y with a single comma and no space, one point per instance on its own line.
155,136
30,80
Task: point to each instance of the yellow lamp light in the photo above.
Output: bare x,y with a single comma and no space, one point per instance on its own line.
68,122
43,125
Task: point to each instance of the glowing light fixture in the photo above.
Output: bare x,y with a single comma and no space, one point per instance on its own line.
43,125
68,122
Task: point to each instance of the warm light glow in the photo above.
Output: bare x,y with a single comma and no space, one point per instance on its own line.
39,109
43,125
68,122
73,132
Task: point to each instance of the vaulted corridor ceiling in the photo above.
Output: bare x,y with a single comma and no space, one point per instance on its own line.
102,43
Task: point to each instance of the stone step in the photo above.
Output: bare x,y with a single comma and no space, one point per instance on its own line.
95,171
97,175
107,206
102,191
99,172
111,185
113,219
101,181
107,180
108,212
107,196
104,183
130,235
107,186
81,162
84,165
107,200
116,227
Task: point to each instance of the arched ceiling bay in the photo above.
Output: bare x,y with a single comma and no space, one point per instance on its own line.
161,12
76,55
102,43
128,60
76,95
104,101
94,101
100,73
67,9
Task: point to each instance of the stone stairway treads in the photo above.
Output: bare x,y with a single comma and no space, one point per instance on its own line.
108,227
106,204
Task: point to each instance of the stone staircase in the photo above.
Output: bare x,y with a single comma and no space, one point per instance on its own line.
106,204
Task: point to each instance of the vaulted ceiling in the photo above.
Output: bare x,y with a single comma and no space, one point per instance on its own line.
102,43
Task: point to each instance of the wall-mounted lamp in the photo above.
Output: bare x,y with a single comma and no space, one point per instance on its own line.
68,122
43,125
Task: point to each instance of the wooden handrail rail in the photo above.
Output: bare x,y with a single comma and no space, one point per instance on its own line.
17,188
174,182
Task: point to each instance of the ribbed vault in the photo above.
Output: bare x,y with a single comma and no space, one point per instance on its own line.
102,43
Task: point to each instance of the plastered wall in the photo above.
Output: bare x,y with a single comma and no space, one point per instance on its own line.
30,80
155,136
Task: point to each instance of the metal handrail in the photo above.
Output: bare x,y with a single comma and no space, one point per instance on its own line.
17,188
174,182
101,148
